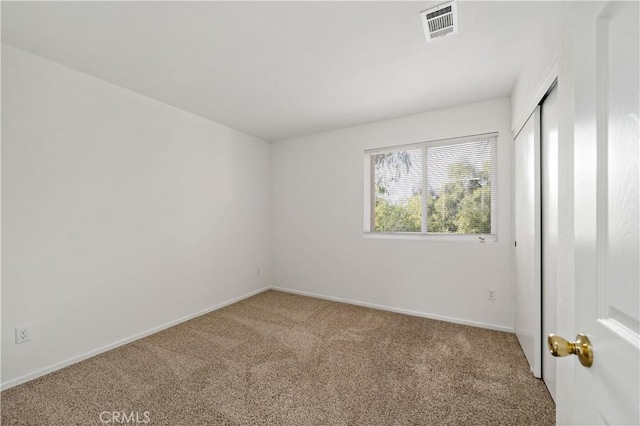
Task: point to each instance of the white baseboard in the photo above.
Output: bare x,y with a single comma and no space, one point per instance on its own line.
399,310
31,376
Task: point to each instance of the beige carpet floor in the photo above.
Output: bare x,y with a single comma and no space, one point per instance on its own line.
278,358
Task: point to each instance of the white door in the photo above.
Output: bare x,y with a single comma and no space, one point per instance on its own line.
607,193
527,241
549,197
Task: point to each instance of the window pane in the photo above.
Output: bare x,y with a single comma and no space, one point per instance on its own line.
459,181
397,188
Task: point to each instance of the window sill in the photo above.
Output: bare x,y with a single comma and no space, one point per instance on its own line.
468,238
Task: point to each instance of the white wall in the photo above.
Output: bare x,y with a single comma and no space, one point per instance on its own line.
540,69
120,214
318,244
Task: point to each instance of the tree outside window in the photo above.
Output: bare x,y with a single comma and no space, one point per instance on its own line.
444,189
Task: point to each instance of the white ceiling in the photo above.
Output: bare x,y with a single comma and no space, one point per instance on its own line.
278,70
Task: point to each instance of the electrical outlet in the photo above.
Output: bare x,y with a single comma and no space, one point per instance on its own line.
23,334
258,271
492,294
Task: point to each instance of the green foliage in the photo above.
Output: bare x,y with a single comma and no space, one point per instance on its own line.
461,206
396,217
464,203
460,212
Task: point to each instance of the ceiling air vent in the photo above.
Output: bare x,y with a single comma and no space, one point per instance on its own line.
440,21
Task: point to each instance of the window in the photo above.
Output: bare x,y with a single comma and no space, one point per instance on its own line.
446,187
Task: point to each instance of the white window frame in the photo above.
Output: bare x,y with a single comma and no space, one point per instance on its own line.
369,196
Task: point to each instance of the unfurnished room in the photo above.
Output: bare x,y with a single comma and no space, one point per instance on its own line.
320,213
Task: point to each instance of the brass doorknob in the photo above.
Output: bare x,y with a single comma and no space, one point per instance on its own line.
559,346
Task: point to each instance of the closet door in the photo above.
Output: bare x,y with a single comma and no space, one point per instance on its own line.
527,258
549,197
